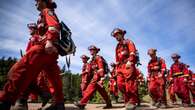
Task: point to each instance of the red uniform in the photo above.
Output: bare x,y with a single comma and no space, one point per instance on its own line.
95,83
85,77
179,73
140,80
191,84
172,93
36,59
126,71
113,83
37,87
40,85
156,78
140,77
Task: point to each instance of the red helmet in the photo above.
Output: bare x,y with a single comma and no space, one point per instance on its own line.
32,25
93,47
151,51
118,30
84,57
175,55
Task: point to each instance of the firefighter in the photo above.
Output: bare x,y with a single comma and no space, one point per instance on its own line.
96,83
40,85
34,39
179,75
113,82
156,79
172,93
85,75
140,81
191,83
39,57
169,85
125,67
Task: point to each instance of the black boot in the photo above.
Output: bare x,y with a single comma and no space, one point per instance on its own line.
55,106
21,104
79,105
45,97
116,98
108,105
5,105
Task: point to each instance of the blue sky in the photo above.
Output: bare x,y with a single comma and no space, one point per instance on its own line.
168,25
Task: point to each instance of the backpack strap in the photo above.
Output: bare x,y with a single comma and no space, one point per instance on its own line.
21,53
68,62
159,61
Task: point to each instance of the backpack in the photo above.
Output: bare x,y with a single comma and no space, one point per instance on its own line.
65,44
106,67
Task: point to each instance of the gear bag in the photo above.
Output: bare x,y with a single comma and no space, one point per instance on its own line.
65,44
106,67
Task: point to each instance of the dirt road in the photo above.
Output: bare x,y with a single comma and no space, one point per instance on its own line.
144,106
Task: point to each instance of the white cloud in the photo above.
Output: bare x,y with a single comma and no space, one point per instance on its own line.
147,23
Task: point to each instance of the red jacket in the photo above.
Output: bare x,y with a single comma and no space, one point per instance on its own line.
178,69
86,73
125,51
97,66
48,25
156,67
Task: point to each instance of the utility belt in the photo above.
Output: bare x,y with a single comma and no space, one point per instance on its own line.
178,74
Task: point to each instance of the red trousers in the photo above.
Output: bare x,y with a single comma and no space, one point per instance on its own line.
131,91
128,86
181,89
156,88
191,87
91,88
171,93
113,87
27,69
121,86
84,87
37,87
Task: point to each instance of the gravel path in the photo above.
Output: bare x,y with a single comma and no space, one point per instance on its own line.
144,106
